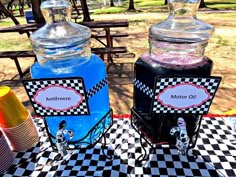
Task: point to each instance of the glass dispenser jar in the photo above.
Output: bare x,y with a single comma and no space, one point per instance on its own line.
181,39
63,51
176,48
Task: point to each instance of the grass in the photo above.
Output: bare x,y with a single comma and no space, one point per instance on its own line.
14,42
221,42
110,10
158,6
144,6
140,5
221,49
8,22
221,4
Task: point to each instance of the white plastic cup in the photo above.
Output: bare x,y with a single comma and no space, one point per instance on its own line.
23,136
6,154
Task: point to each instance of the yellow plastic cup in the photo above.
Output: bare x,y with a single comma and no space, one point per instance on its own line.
12,111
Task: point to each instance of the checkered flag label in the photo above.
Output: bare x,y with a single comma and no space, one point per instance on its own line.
144,88
185,95
96,88
57,97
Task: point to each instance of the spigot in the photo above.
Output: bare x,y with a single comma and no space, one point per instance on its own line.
182,139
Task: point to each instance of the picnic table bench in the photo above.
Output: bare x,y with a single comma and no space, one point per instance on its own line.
107,49
15,55
107,25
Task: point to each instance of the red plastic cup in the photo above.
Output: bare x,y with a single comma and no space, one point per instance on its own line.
6,154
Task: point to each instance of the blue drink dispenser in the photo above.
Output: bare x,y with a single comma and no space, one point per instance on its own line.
63,52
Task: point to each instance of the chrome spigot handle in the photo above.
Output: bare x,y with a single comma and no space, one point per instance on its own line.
182,139
182,142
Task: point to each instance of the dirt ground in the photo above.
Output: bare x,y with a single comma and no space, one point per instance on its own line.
221,49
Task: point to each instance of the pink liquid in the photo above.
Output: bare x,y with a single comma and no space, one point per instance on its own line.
172,58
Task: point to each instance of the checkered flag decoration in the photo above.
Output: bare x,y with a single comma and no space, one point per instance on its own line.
210,84
144,88
97,87
77,84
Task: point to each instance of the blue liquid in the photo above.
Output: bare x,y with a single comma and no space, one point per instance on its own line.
92,72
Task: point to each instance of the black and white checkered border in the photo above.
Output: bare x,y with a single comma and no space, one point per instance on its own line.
97,87
216,145
144,88
32,87
210,83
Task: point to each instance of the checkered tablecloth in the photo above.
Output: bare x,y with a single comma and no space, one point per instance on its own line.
216,145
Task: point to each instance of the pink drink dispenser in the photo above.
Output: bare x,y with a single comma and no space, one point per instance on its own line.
176,51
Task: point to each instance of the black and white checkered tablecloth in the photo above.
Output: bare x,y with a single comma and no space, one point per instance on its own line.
216,144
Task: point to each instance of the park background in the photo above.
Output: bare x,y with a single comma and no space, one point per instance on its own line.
221,48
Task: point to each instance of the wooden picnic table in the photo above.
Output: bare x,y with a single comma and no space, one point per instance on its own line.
21,28
107,25
108,48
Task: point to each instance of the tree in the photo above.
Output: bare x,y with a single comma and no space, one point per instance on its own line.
74,6
131,6
38,16
202,4
8,14
28,2
85,10
21,7
9,5
112,3
166,1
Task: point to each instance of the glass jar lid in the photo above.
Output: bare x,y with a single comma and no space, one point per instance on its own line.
59,31
182,24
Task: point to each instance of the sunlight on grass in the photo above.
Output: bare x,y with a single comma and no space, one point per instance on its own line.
150,6
215,18
140,5
158,6
219,41
221,4
8,22
10,43
149,3
146,17
13,41
109,10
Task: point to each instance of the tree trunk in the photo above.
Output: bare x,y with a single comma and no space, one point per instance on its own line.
21,7
85,10
9,5
112,3
28,2
166,1
75,7
131,6
8,14
202,4
38,16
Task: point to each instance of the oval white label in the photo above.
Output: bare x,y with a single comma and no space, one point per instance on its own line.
58,98
183,96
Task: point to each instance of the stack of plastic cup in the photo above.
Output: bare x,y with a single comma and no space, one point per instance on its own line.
6,154
16,121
